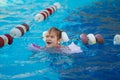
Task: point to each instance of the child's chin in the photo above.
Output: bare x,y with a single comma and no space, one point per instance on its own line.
49,46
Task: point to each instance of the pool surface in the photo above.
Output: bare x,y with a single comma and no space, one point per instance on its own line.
96,62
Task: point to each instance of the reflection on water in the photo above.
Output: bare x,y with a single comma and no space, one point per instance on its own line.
104,15
55,60
3,3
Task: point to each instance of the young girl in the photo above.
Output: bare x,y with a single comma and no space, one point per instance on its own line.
52,39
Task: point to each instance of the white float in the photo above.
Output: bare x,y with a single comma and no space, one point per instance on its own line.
116,40
91,39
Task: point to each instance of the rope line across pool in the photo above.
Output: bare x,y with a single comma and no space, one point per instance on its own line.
21,29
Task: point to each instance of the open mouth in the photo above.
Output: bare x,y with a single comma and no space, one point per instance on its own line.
49,43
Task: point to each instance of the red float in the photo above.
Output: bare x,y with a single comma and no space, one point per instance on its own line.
10,38
21,30
26,26
84,38
50,10
47,13
99,38
1,42
44,14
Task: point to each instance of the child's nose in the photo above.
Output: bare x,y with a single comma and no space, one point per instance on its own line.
48,38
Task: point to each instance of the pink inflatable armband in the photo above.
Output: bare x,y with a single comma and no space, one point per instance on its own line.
34,47
74,48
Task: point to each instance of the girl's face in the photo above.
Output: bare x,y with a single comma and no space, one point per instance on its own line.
51,40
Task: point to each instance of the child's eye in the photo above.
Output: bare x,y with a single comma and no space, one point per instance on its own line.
52,36
46,36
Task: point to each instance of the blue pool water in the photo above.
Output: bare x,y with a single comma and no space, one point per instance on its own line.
97,62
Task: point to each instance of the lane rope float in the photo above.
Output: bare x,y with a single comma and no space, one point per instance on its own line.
47,12
5,39
19,30
92,39
116,40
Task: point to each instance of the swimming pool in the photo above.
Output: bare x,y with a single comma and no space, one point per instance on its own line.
100,62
